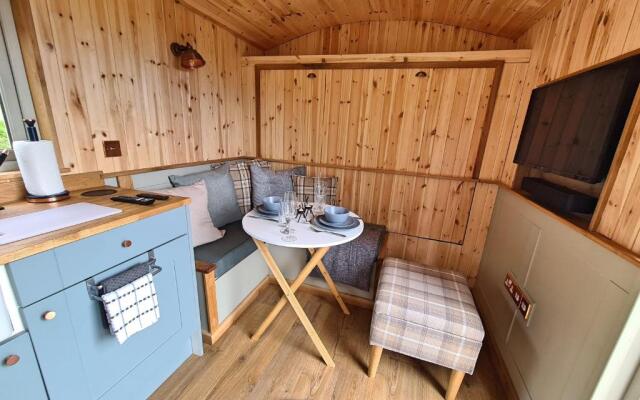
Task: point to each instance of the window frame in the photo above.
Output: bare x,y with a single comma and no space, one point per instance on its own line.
16,96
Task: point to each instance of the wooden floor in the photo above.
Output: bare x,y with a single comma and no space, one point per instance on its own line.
285,365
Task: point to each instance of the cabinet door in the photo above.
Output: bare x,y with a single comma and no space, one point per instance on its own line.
19,374
51,327
105,361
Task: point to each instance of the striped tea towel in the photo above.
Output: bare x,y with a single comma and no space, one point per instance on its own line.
132,308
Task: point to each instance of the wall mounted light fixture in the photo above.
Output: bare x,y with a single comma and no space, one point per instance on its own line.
189,57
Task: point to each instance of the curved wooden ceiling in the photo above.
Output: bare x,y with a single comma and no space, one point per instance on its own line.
268,23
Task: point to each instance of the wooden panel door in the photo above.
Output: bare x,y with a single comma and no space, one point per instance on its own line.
403,141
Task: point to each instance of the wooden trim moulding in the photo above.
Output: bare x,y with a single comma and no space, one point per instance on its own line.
172,166
616,163
592,67
374,170
509,56
208,272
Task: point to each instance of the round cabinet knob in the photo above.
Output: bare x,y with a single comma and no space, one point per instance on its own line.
11,360
49,315
126,243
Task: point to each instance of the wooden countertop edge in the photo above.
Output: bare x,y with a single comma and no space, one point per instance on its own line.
92,228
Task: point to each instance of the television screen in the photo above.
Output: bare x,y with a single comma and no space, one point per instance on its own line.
573,126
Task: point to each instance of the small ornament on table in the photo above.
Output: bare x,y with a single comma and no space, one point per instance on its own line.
304,210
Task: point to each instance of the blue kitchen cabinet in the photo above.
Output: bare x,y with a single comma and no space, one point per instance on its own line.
19,374
78,357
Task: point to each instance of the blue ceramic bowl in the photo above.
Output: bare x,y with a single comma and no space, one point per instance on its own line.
336,215
272,203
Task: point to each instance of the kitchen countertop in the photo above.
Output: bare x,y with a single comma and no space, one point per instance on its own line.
37,244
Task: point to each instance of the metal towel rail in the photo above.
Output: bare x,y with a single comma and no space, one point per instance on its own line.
95,289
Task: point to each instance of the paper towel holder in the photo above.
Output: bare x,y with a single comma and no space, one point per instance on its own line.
32,135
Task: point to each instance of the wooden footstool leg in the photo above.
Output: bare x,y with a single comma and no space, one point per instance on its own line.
374,360
455,380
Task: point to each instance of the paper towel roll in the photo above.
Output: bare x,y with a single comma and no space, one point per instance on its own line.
39,168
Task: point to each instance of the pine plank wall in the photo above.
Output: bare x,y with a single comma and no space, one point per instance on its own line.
110,75
95,90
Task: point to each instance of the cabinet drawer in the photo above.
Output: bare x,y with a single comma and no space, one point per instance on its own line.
35,277
79,260
19,374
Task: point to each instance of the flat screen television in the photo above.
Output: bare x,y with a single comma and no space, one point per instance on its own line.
573,126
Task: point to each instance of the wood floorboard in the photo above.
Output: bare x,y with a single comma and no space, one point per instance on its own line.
285,365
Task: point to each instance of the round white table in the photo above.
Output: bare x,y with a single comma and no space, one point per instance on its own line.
264,231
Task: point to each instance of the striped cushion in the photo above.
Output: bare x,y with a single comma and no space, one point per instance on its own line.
241,176
426,313
303,186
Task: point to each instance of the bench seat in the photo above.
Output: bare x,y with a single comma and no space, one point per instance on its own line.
227,252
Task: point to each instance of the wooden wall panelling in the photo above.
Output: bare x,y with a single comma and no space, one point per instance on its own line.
390,37
442,222
35,73
502,139
109,75
268,23
395,106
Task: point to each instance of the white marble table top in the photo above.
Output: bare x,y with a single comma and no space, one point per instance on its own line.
269,232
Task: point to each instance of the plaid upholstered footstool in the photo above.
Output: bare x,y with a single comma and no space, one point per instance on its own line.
429,314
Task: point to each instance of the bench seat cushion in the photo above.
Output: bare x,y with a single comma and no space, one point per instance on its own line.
227,252
426,313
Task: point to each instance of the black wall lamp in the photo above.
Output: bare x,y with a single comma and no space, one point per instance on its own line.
189,57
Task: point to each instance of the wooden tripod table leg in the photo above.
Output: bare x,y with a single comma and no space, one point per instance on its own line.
289,295
294,286
332,286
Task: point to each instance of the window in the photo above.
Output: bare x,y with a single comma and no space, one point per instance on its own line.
15,99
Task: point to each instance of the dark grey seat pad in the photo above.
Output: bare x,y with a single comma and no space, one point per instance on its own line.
227,252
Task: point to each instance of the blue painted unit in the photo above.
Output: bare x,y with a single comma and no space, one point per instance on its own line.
21,380
77,356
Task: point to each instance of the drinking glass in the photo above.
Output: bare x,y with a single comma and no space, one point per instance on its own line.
319,193
289,212
290,197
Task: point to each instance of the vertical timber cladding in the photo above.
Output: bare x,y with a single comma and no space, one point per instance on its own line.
406,139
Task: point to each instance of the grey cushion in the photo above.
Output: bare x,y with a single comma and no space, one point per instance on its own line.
227,252
222,202
266,182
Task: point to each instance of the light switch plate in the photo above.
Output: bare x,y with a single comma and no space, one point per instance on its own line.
112,148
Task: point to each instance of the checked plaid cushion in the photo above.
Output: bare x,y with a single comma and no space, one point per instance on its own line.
303,186
241,176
